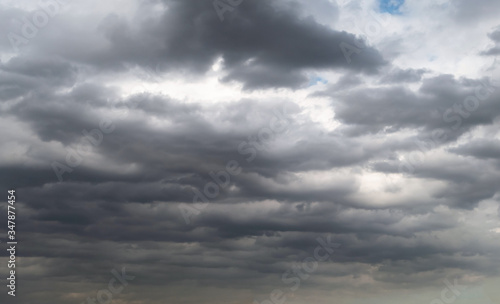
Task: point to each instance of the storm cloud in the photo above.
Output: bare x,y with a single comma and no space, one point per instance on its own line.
211,147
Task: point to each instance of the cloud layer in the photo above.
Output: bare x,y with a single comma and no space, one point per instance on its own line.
207,156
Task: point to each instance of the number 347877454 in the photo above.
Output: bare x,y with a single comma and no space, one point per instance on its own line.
11,215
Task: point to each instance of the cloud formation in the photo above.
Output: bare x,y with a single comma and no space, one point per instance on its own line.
115,115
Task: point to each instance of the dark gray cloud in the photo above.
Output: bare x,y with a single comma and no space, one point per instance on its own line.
480,148
440,103
399,75
261,45
495,37
264,44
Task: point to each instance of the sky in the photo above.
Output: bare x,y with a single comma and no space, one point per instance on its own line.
247,151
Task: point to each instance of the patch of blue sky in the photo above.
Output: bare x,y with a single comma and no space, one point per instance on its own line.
317,80
391,6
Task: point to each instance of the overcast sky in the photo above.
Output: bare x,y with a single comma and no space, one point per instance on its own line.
217,149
